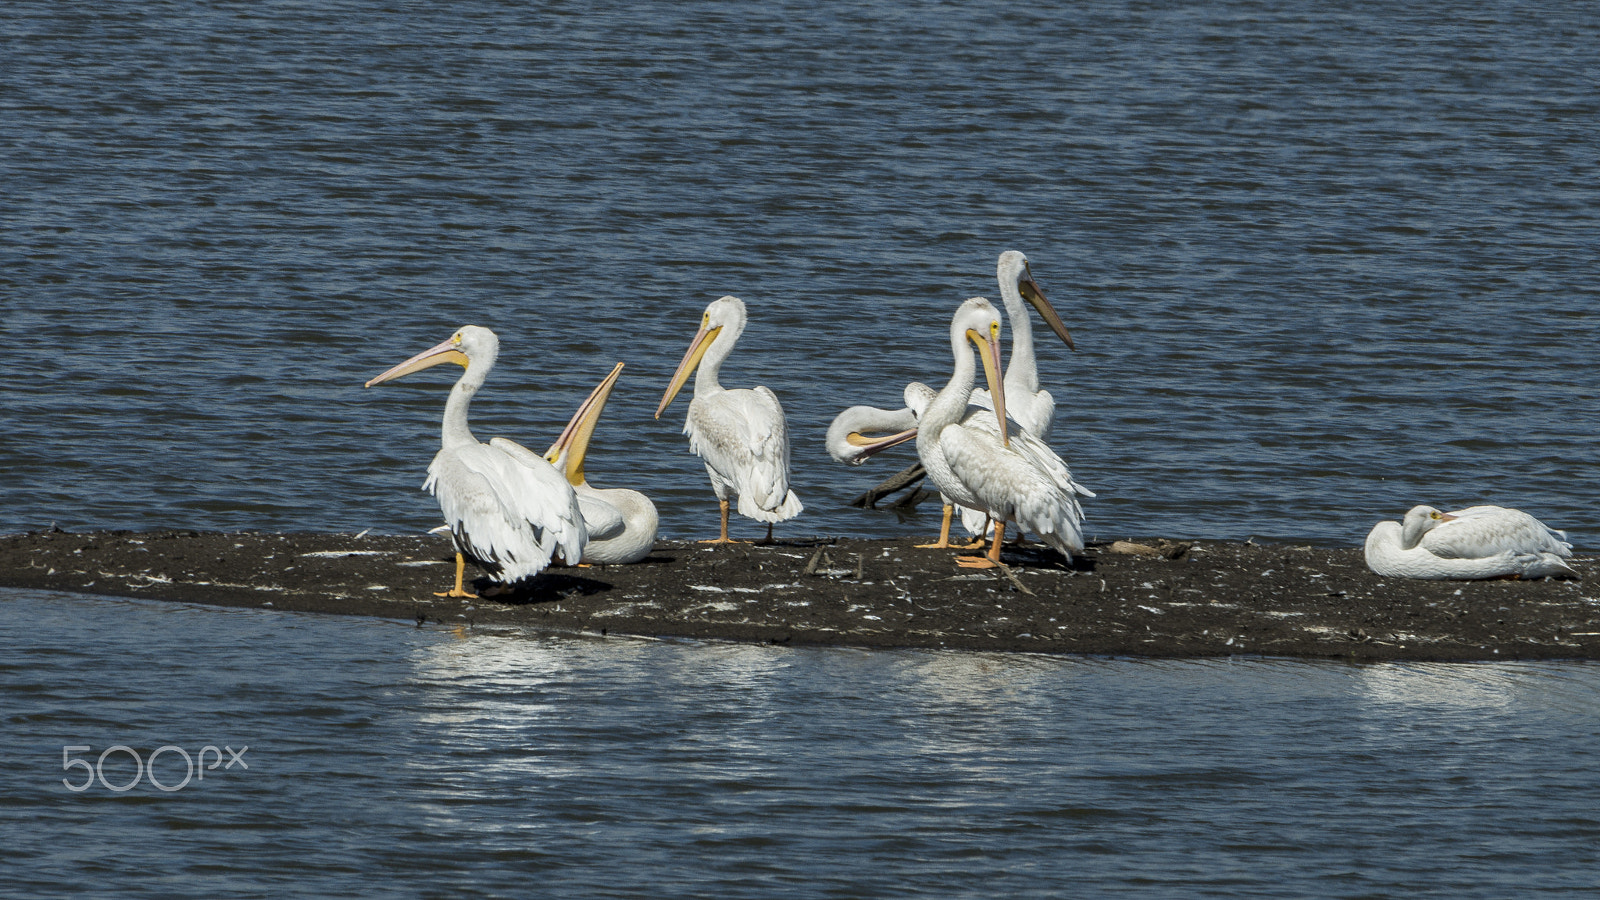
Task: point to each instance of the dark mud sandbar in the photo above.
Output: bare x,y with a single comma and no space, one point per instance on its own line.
1147,598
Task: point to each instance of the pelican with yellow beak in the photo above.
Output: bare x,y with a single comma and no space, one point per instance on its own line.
507,508
1012,478
621,523
1031,407
740,433
856,433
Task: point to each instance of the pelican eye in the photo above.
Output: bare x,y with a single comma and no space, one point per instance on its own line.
1434,515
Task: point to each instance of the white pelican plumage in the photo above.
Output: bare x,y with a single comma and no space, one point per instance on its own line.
860,431
508,509
621,523
1011,478
1476,542
976,522
1030,407
741,433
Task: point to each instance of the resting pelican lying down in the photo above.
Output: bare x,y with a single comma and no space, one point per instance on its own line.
1477,542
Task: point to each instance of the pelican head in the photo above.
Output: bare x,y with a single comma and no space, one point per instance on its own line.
978,323
1014,270
468,345
862,431
722,313
568,452
917,396
1419,521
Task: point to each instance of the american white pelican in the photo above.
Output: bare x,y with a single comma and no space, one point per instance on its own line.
507,508
861,431
740,433
1012,478
976,522
621,523
1029,406
1476,542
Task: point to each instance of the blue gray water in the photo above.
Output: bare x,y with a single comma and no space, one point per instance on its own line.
1321,261
388,760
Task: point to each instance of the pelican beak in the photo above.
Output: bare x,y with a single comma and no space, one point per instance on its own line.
691,359
447,352
871,445
989,351
574,440
1031,293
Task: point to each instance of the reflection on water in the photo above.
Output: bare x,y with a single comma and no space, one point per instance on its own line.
384,756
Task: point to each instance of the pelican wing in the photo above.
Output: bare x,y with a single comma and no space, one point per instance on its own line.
1387,556
507,508
1010,486
742,435
602,520
981,421
1031,410
1481,531
635,539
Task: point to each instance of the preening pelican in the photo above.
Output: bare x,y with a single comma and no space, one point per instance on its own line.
507,508
740,433
1476,542
1029,406
861,431
1012,478
621,523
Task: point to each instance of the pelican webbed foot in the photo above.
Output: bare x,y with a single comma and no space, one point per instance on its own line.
460,590
990,560
943,543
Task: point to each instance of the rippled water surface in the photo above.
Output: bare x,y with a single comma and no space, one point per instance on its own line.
383,759
1321,262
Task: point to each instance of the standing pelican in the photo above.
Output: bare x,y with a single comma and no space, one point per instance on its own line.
1030,407
621,523
1476,542
1012,479
507,508
740,433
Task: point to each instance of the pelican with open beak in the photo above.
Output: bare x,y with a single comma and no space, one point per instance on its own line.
621,523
